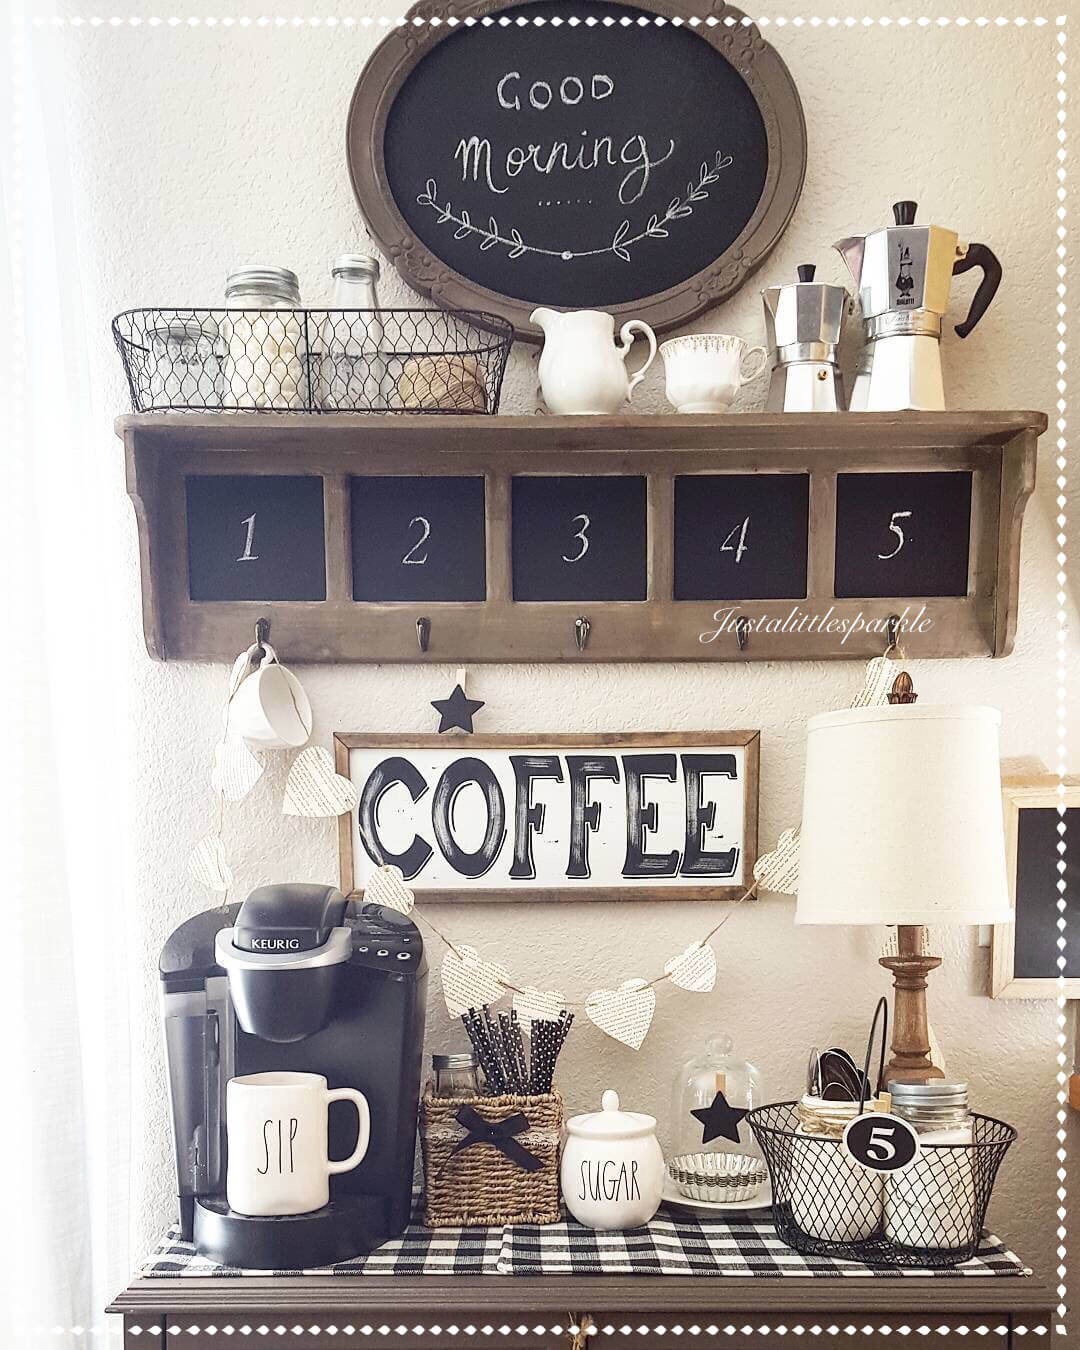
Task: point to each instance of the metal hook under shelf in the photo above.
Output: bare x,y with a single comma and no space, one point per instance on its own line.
742,632
581,632
893,634
262,637
423,632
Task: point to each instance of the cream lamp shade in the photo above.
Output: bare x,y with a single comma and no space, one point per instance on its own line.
902,818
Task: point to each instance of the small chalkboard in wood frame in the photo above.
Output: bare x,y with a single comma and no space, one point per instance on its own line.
741,536
418,537
902,534
1024,953
255,537
577,153
553,816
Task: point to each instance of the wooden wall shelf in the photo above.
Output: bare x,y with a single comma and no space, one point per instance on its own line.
232,527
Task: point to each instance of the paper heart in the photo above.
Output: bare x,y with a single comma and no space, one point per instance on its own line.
625,1013
235,771
779,870
386,886
208,864
468,981
314,789
694,969
877,681
538,1005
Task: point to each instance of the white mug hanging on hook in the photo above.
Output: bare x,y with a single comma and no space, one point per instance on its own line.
269,708
582,367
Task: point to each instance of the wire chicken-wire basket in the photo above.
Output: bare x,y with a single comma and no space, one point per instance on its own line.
313,360
930,1214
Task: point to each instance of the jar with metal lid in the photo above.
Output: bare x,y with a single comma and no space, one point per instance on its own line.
932,1106
455,1075
352,365
932,1203
183,363
264,340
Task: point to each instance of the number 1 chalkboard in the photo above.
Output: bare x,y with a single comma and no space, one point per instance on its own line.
580,154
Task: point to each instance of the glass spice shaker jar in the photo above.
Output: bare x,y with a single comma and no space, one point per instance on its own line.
455,1075
352,362
264,345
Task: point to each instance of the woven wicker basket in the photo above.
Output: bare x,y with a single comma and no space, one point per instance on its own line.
480,1185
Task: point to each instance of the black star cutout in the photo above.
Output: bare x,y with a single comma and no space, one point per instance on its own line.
457,711
719,1119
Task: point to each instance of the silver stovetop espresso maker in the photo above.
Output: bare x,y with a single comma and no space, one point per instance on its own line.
802,326
902,275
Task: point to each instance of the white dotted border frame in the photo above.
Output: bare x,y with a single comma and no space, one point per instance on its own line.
18,423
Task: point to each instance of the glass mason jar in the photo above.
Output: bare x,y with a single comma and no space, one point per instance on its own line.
264,344
183,369
455,1075
352,364
706,1082
933,1203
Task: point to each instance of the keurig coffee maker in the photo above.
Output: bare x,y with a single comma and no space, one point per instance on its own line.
296,978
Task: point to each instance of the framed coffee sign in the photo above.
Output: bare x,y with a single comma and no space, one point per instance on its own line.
553,817
577,153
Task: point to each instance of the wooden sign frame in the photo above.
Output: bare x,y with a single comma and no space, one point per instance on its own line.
748,741
1039,790
722,26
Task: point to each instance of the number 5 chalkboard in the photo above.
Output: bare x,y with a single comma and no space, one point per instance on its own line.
582,154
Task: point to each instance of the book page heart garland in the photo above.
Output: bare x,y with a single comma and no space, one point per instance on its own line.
313,788
625,1013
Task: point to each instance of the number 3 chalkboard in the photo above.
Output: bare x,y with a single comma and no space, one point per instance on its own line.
584,154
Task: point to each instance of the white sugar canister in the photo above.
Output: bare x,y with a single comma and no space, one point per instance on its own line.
612,1167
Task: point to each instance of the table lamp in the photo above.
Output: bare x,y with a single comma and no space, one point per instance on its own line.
902,824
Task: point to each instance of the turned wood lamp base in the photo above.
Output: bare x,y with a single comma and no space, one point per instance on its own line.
910,1062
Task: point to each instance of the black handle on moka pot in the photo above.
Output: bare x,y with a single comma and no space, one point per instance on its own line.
978,255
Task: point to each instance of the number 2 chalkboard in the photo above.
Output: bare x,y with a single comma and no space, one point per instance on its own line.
579,154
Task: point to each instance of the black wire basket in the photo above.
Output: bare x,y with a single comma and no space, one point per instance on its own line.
930,1214
313,360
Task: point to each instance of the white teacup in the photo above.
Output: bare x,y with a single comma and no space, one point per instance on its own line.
706,370
278,1130
269,708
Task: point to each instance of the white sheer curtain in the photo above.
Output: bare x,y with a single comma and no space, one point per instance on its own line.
63,987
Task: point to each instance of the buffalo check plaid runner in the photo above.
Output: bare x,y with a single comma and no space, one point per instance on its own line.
674,1243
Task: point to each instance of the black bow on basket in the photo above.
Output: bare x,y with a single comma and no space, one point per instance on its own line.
499,1134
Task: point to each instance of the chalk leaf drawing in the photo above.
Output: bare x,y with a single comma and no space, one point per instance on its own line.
622,241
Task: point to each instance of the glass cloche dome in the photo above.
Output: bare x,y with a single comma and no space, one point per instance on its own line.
713,1092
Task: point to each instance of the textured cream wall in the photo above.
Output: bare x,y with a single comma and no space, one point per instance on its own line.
196,149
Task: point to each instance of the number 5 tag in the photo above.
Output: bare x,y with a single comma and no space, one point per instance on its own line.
880,1142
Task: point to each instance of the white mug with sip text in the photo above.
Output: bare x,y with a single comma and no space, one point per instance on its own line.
705,371
278,1126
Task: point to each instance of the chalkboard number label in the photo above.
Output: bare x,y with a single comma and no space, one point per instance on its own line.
583,536
410,558
256,537
896,528
418,538
880,1142
249,539
728,533
902,535
578,537
737,548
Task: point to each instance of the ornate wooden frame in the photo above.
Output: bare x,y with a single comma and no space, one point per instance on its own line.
750,741
725,28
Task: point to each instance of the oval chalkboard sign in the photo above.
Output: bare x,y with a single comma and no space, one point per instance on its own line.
577,153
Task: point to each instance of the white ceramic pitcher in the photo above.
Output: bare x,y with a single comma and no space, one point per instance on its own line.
582,367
